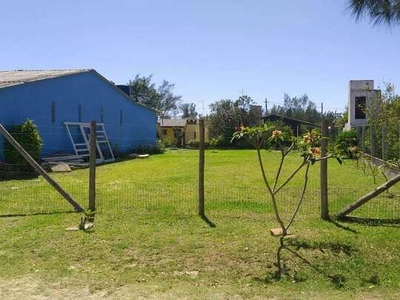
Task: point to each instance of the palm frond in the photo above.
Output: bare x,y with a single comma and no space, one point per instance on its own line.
379,11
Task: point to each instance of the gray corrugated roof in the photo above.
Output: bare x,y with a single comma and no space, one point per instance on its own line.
172,122
10,78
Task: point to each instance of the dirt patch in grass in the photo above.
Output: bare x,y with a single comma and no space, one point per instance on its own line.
29,287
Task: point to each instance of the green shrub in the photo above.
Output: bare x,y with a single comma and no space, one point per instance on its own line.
159,148
213,143
169,142
193,144
27,135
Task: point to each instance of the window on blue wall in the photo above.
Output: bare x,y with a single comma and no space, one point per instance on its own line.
102,115
53,112
79,113
120,117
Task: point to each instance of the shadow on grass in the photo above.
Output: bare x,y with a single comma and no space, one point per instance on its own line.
16,172
38,214
372,222
337,224
333,247
208,221
293,246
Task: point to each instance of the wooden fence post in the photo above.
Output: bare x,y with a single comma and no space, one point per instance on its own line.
324,171
40,170
201,168
368,197
92,164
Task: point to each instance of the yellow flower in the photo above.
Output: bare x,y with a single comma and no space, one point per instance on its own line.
277,133
307,138
315,151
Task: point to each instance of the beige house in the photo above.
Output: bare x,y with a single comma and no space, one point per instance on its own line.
179,132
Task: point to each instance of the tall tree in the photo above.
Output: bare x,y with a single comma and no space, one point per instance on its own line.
168,103
301,108
242,106
188,110
223,120
142,90
378,11
227,116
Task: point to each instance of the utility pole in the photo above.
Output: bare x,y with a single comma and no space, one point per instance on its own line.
266,106
322,108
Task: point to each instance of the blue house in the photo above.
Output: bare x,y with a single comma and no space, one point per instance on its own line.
53,99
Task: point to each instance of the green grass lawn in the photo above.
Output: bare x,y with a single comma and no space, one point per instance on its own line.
148,241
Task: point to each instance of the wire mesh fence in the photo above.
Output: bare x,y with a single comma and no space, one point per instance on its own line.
35,196
380,141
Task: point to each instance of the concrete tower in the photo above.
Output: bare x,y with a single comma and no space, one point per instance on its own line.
360,96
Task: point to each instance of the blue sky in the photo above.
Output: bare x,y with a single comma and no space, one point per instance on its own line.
210,49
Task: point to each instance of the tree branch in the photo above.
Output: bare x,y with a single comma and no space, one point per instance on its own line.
283,155
291,176
275,206
301,197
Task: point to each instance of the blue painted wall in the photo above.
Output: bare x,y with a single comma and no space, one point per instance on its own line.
127,124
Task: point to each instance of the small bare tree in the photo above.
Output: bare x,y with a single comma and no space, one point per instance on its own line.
308,145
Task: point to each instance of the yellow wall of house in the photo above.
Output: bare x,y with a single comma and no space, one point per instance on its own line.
167,133
192,133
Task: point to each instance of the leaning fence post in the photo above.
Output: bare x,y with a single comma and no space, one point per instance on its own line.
40,170
324,171
201,168
92,168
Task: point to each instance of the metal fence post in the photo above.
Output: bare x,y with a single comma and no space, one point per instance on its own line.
384,132
372,147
